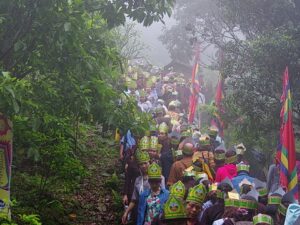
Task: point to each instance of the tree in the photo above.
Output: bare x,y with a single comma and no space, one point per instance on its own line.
146,11
181,37
258,39
128,41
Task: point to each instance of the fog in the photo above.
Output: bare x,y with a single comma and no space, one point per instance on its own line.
155,51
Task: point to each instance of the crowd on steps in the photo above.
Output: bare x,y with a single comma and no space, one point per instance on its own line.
176,174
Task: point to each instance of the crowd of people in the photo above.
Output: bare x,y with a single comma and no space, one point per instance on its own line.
176,174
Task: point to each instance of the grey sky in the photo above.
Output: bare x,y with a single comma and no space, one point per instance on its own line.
156,52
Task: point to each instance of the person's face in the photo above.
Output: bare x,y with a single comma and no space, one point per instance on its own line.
245,188
239,158
162,136
213,197
174,142
153,133
213,137
226,188
154,184
206,184
193,209
144,167
142,99
152,153
263,200
160,114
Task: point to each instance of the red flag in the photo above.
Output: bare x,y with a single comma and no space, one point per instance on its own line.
195,89
217,121
219,93
288,170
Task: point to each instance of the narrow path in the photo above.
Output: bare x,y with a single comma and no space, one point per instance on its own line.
98,201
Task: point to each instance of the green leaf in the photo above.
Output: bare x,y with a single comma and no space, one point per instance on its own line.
67,26
6,74
16,106
10,90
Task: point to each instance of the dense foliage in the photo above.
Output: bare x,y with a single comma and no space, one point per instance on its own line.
258,40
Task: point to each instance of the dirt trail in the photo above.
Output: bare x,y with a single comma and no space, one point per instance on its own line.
98,200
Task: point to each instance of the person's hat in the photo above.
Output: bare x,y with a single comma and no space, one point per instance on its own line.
153,143
142,93
152,127
196,135
229,202
144,143
219,156
178,190
159,110
146,74
274,200
240,149
174,93
174,141
259,184
245,181
226,181
262,218
220,194
248,203
196,194
184,127
242,167
131,84
213,131
160,101
154,171
219,152
261,187
172,103
177,153
166,78
186,133
189,173
201,176
262,192
230,156
279,192
282,209
142,157
252,194
213,187
175,135
149,83
177,103
287,199
174,209
163,128
204,140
